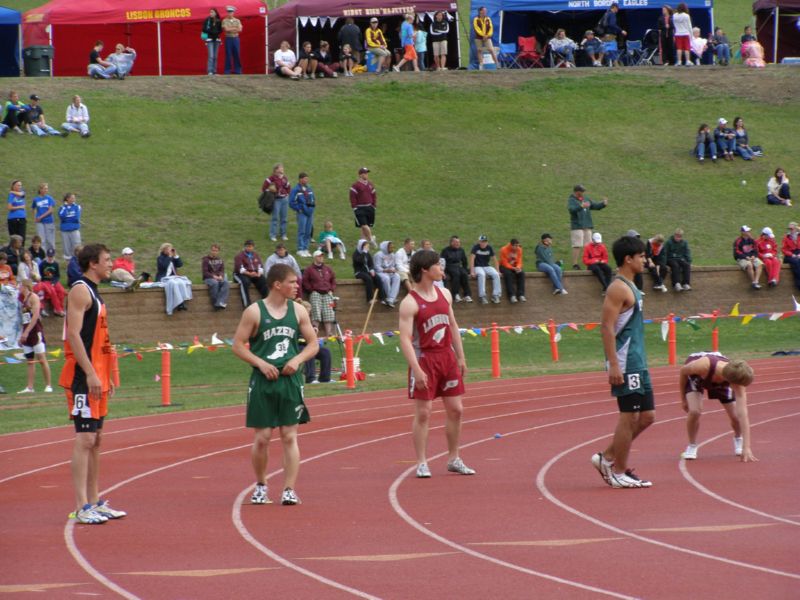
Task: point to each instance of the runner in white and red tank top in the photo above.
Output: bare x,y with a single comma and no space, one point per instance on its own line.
431,343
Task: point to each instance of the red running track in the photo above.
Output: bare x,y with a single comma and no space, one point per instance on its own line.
535,522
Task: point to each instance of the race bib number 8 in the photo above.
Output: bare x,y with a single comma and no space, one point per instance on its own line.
81,406
634,381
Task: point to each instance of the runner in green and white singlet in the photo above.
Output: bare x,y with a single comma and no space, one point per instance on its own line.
630,352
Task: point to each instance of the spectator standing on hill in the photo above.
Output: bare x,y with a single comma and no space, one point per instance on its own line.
98,67
745,253
17,210
16,116
280,208
249,270
177,288
36,121
302,201
213,268
768,253
77,118
329,239
402,260
595,257
364,269
439,31
580,221
421,46
725,139
611,28
704,143
122,58
44,207
281,256
511,269
233,29
376,43
319,281
50,286
386,269
457,270
364,202
656,261
407,41
212,30
350,35
790,249
326,67
666,35
483,264
70,216
483,30
679,259
683,35
778,191
547,264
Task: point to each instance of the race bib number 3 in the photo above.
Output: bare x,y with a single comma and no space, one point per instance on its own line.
634,381
81,406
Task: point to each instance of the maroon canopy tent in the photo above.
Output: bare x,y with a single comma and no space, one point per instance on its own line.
778,28
298,21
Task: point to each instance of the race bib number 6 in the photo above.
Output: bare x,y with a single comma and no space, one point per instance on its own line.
634,381
81,406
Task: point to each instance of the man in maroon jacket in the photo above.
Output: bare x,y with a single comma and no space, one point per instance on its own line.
249,270
364,201
319,281
280,208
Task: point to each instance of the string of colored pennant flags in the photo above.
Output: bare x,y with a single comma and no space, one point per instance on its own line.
382,337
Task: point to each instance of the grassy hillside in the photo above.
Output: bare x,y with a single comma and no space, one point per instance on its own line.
182,159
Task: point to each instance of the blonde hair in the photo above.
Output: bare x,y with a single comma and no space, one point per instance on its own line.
659,237
27,284
163,247
738,372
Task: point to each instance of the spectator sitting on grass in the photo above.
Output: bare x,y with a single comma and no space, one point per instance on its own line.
50,286
704,143
595,257
28,269
364,269
778,191
386,269
482,264
329,240
791,251
593,48
13,252
679,259
177,288
16,117
547,264
725,139
748,36
99,68
745,253
656,261
743,148
6,273
456,270
428,245
282,256
286,62
768,253
123,59
402,260
37,123
348,60
74,271
36,249
511,269
248,270
77,118
213,268
326,67
307,60
563,48
699,45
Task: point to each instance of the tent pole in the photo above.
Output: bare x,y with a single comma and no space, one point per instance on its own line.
52,58
500,29
19,50
158,33
775,16
266,44
458,38
297,36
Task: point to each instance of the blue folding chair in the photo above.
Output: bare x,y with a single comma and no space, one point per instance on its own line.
633,53
507,57
611,50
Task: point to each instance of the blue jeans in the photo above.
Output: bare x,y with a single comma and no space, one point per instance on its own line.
232,63
784,192
213,50
101,71
723,53
565,53
553,272
421,60
701,150
277,225
305,223
725,145
744,152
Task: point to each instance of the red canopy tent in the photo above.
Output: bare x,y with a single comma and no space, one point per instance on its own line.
777,24
165,33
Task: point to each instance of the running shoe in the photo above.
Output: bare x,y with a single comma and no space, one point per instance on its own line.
495,299
260,495
289,497
104,508
690,453
522,298
423,472
89,516
737,446
623,480
48,389
597,462
27,390
642,482
457,466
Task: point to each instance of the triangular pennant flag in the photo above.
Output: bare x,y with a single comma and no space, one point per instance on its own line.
138,356
693,324
193,348
560,327
517,329
796,304
379,337
215,341
483,332
211,348
746,319
391,333
12,361
196,340
573,326
19,356
472,333
735,310
590,326
157,377
333,20
55,353
775,316
303,21
664,330
314,20
558,337
229,341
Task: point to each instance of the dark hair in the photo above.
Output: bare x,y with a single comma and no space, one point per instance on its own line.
514,242
682,8
454,237
737,119
627,246
779,169
614,5
422,260
99,43
702,127
216,14
89,254
67,195
277,273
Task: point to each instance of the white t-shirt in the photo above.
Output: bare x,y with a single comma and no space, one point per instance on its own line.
683,24
285,56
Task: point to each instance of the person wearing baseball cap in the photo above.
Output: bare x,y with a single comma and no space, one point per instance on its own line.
768,253
745,254
791,251
232,28
249,270
483,264
679,260
725,138
595,257
364,202
37,122
547,264
580,221
376,44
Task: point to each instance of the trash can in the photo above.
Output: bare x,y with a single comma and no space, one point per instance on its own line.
37,60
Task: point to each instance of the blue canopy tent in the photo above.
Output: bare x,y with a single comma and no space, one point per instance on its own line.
514,18
10,58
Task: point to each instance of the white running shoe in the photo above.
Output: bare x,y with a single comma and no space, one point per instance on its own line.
89,516
423,472
623,480
522,298
687,287
48,389
678,287
341,254
104,508
690,453
597,462
289,497
642,482
737,446
457,466
495,299
27,390
260,495
468,299
458,298
330,255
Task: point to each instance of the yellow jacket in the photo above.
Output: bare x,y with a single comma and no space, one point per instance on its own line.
375,38
483,27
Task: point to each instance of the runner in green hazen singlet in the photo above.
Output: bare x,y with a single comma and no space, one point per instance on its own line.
626,359
267,339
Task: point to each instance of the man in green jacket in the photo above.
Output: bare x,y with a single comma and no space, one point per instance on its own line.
679,259
547,264
580,221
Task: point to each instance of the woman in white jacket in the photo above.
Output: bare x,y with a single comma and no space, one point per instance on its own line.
386,268
683,34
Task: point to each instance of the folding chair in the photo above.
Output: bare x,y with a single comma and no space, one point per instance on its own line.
558,60
633,53
507,57
528,56
611,50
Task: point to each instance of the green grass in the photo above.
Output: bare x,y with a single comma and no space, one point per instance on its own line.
224,377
